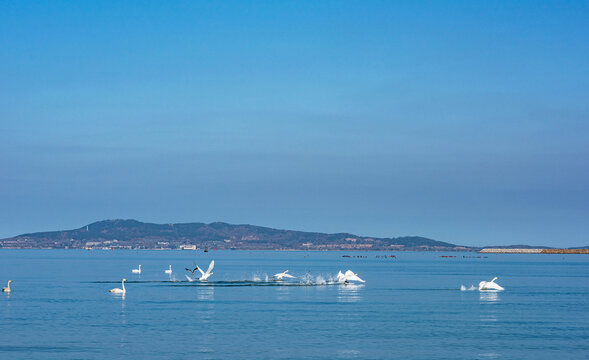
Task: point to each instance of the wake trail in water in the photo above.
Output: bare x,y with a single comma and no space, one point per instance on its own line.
256,280
471,288
260,278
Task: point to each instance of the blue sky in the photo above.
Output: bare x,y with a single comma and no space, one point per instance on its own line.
466,122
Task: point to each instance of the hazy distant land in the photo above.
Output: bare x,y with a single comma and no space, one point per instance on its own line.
132,234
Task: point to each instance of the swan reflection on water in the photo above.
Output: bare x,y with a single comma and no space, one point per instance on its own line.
283,292
490,296
350,292
206,293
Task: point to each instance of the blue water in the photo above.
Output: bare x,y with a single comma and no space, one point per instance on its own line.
409,308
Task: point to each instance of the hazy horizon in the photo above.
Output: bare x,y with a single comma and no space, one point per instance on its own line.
465,122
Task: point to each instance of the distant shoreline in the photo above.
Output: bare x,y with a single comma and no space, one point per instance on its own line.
483,251
225,249
129,234
533,251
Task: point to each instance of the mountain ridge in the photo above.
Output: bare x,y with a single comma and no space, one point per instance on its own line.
133,234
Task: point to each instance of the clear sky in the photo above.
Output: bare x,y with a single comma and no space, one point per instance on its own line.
463,121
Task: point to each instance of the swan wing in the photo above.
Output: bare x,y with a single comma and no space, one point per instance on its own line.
211,266
350,276
189,278
493,286
202,272
355,278
289,276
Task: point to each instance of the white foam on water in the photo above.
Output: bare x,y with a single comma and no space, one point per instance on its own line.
471,288
309,279
319,280
260,277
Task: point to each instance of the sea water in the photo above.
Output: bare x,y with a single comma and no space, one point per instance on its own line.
410,307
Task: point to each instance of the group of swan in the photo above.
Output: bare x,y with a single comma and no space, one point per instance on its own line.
122,291
138,270
341,277
204,275
344,278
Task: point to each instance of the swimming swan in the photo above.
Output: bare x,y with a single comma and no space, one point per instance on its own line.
205,275
137,271
489,285
169,271
7,288
347,277
119,291
282,275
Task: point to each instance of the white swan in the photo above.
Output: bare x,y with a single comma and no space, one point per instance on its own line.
282,275
137,271
169,271
205,275
347,277
489,285
7,288
119,291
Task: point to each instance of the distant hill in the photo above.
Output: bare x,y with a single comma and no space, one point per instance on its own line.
132,234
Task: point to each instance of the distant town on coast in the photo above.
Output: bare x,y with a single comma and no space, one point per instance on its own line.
133,234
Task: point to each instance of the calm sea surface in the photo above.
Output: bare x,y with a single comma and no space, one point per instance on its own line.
409,308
